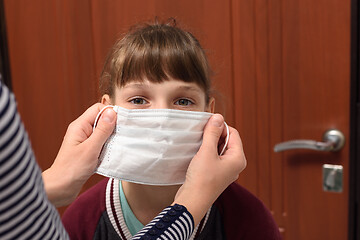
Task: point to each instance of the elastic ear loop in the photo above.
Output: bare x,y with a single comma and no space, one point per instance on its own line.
99,114
226,140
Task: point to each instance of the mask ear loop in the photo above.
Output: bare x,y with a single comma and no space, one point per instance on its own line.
99,114
226,140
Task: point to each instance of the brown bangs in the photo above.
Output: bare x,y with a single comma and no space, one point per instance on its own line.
157,52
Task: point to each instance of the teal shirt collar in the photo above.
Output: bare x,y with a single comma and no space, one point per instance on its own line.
132,223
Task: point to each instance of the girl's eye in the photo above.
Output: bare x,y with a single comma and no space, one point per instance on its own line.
138,101
183,102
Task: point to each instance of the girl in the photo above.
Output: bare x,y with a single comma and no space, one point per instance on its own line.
160,66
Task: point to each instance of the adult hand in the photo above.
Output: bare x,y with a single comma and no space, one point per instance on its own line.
78,156
209,174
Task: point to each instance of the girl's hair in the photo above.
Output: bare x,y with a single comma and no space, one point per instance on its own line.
156,52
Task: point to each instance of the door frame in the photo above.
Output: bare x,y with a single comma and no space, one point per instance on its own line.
354,193
4,55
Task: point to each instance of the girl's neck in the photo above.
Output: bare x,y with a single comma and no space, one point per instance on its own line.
147,201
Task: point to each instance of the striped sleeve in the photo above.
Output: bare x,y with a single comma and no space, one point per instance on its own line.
25,212
174,222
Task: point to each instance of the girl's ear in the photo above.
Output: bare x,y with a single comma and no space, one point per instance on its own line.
105,99
211,105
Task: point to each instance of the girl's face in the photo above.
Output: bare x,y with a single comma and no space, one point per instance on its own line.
169,94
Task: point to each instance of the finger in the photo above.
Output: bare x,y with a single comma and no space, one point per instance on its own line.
90,114
103,129
212,133
234,153
86,121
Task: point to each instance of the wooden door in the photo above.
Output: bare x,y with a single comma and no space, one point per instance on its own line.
292,81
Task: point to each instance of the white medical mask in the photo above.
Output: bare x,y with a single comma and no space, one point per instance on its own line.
152,146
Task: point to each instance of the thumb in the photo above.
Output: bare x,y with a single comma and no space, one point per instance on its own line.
103,129
212,132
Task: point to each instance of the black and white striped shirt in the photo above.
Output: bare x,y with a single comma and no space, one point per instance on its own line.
25,212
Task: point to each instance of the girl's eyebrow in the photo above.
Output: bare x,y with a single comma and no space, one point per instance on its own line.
189,88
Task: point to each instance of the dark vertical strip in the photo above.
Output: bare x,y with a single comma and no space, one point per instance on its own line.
354,198
4,57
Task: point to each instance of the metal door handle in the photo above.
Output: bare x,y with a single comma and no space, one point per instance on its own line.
333,141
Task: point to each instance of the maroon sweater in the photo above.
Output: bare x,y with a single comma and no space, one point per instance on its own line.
236,214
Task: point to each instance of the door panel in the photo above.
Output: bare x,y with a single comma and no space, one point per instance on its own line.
316,85
294,59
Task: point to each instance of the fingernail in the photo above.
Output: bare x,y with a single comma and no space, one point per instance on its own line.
108,116
217,120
